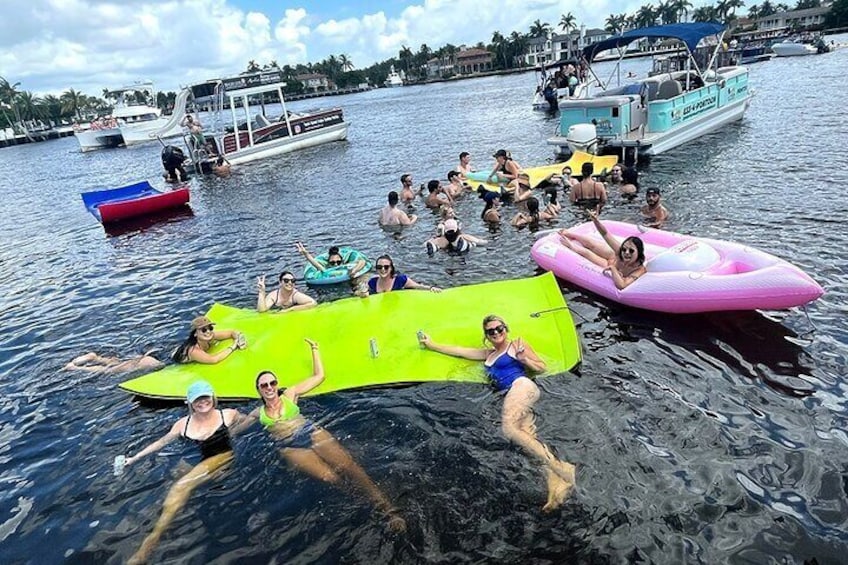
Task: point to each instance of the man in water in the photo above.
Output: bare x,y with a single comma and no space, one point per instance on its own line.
464,164
437,196
407,195
391,216
655,213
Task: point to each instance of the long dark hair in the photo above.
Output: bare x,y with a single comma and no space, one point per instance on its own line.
640,248
181,353
533,208
551,193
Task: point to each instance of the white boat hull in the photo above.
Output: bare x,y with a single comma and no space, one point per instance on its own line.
93,139
146,132
793,49
337,132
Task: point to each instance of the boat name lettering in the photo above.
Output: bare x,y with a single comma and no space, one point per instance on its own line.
256,79
603,127
689,110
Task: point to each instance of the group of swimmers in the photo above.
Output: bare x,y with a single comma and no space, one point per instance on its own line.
509,363
588,192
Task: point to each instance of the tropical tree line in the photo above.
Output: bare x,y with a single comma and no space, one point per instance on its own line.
20,107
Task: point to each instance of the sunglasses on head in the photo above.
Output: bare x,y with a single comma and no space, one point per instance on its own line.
287,279
269,384
383,267
335,263
497,330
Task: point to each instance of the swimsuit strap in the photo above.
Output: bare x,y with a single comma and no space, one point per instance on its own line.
185,430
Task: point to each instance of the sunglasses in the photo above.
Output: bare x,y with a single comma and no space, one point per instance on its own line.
287,279
206,329
269,384
383,267
497,330
334,263
627,251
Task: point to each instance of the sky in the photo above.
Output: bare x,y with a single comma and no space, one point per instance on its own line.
49,46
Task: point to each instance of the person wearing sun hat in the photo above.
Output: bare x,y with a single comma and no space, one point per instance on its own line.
203,337
206,426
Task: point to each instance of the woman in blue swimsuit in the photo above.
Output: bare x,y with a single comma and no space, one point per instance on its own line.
206,426
388,279
507,364
309,447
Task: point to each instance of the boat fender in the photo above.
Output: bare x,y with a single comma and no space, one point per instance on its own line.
688,255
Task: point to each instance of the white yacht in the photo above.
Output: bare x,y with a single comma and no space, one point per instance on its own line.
394,79
133,121
792,48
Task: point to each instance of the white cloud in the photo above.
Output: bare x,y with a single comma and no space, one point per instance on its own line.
52,45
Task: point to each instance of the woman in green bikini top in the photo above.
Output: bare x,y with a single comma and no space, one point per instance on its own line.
310,447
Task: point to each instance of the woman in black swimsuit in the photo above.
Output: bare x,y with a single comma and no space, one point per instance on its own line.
208,427
589,193
286,298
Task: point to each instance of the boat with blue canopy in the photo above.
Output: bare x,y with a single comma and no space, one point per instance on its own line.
675,104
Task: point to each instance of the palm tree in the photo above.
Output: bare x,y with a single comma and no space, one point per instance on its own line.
539,29
667,12
568,24
646,16
754,12
405,54
347,64
501,47
705,14
682,8
8,93
615,23
252,67
52,108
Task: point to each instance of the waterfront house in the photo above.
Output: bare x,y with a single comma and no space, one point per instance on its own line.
473,60
561,47
316,82
794,19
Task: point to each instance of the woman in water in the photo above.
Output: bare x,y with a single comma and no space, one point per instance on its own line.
452,237
506,170
532,216
629,182
287,298
202,338
388,279
349,261
309,447
552,207
623,261
490,213
589,193
206,426
95,363
508,364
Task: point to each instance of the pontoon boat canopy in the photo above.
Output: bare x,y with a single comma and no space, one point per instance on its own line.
689,33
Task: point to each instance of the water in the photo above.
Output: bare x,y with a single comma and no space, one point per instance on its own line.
708,438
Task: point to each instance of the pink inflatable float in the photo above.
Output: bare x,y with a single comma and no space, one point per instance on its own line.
685,274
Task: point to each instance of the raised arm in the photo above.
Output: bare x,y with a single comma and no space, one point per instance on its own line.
407,219
470,353
296,391
527,356
199,356
172,434
261,299
308,256
611,241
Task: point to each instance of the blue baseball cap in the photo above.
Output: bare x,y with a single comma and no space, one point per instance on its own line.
199,389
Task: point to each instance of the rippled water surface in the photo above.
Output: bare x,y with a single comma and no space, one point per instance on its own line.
701,439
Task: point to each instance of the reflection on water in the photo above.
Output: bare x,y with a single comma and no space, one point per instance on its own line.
703,438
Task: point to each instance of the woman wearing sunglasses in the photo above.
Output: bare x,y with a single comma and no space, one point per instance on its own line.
508,363
388,279
286,298
201,339
206,426
623,261
307,446
349,259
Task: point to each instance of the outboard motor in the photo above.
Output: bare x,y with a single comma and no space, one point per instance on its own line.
173,159
582,137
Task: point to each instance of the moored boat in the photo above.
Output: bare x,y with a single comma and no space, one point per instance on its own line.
394,79
793,48
685,274
231,131
132,201
658,113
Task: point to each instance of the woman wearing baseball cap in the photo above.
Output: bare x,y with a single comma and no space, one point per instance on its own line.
206,426
202,338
